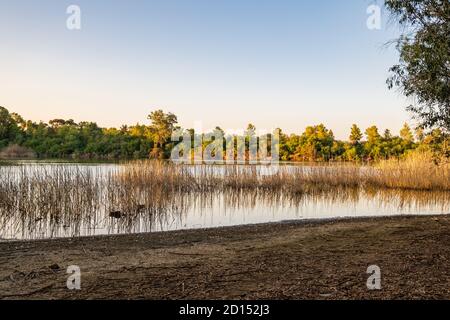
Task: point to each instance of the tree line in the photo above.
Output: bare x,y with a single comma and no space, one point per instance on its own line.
61,138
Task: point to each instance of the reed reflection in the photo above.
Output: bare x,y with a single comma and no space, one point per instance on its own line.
67,201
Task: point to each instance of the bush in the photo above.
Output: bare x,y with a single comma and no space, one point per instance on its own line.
16,152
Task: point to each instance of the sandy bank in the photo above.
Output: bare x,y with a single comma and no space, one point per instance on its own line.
290,260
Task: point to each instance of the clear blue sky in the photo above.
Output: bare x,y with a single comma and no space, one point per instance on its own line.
279,63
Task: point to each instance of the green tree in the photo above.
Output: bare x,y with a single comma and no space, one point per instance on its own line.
161,128
406,133
315,144
373,137
420,135
355,134
373,145
66,138
387,135
283,139
9,130
423,71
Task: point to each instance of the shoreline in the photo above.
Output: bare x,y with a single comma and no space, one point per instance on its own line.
296,222
301,259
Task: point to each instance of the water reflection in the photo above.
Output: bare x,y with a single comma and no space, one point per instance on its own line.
81,201
213,209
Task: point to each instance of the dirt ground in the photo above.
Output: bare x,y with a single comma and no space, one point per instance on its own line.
289,260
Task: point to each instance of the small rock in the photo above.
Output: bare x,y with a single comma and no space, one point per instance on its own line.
115,214
54,266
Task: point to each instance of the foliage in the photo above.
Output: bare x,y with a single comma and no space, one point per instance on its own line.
61,138
423,71
161,129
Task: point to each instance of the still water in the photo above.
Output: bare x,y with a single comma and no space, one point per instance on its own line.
196,210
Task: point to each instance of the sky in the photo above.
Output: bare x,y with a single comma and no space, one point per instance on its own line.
280,63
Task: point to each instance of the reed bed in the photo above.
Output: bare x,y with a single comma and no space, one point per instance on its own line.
37,196
418,172
139,195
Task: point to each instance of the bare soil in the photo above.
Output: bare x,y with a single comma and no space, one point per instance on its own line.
289,260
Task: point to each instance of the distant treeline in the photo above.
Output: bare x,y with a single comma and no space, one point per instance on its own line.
86,140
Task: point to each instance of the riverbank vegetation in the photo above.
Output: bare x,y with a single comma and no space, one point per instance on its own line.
419,171
140,195
153,187
86,140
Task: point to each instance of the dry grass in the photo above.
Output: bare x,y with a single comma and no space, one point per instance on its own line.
420,171
36,197
16,152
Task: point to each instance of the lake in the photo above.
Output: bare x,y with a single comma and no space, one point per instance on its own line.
30,209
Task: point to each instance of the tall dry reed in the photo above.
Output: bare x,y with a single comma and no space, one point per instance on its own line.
35,199
419,171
